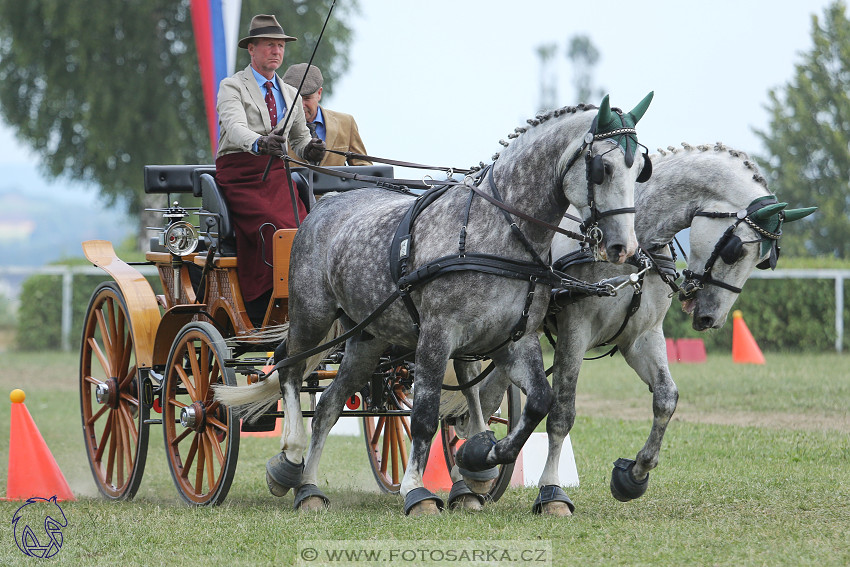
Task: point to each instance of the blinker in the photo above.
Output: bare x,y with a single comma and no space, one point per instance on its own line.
732,250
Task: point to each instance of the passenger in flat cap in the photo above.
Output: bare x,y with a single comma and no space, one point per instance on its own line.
252,105
337,129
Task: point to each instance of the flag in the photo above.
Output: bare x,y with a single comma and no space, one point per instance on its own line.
216,27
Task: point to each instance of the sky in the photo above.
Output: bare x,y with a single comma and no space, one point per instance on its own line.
441,82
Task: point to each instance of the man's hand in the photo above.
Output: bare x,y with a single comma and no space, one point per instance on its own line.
271,145
315,150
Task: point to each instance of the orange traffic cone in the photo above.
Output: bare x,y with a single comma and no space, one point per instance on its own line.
744,347
32,469
436,476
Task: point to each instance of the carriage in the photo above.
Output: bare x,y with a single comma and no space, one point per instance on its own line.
149,359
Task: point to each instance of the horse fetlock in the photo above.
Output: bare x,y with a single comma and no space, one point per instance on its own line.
624,485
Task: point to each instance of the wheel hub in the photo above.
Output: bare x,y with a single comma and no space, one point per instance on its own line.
105,393
193,416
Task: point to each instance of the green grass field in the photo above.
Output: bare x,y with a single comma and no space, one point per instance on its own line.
755,470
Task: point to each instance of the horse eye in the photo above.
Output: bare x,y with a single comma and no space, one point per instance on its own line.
608,169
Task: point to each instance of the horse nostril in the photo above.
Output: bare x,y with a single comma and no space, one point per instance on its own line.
616,253
703,323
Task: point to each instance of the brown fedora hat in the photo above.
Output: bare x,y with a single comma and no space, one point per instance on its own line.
264,25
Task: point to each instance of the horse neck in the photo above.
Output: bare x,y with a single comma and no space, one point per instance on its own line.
688,181
525,173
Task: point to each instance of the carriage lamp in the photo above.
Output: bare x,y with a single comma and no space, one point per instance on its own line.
181,238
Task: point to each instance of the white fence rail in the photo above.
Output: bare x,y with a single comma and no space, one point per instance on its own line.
67,274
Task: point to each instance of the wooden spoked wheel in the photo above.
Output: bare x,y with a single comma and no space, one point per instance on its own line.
501,422
113,415
201,435
388,439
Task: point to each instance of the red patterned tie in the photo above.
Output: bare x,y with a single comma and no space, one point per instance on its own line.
271,103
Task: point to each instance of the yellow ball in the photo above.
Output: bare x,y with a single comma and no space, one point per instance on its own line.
17,396
737,314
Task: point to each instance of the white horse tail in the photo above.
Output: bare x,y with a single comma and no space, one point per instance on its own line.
252,400
453,404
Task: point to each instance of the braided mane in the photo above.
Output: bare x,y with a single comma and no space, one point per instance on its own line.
537,121
719,148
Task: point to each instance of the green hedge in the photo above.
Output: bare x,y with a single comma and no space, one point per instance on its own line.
783,315
40,311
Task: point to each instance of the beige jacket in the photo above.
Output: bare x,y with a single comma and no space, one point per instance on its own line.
243,116
341,134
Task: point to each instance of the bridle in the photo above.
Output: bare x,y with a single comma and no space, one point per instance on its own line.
729,247
595,175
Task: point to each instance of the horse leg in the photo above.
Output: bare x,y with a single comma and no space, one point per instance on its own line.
466,494
360,360
432,356
648,357
551,499
284,470
523,362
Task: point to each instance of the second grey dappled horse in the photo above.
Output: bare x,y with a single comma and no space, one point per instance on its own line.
735,225
341,268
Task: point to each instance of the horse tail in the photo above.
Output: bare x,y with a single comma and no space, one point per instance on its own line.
252,400
453,404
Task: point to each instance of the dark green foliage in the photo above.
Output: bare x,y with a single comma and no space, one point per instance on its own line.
783,315
808,140
101,88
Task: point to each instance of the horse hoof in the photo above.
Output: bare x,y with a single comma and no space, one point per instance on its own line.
624,486
479,486
463,498
553,501
559,509
424,508
308,498
275,488
282,474
472,455
422,502
468,503
312,504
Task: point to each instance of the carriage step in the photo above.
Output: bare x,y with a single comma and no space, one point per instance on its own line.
153,422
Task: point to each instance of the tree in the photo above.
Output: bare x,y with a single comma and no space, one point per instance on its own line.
99,88
548,79
583,55
808,140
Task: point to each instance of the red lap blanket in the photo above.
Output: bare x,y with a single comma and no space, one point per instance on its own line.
252,203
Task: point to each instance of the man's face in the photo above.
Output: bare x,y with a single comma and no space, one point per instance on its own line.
266,55
311,104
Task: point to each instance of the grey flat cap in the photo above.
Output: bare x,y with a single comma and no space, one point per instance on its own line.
312,83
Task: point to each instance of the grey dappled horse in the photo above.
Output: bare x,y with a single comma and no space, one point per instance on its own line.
735,225
341,268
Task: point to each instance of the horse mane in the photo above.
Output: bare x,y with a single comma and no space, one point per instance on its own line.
719,147
539,119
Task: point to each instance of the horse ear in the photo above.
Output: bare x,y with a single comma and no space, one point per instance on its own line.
604,114
639,110
768,211
797,214
646,172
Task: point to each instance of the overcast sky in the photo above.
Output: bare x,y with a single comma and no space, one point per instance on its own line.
441,81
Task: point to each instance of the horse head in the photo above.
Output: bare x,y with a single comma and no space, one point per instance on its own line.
604,194
730,246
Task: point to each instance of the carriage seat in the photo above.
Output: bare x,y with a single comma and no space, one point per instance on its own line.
215,217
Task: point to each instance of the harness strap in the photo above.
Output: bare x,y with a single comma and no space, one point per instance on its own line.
399,163
484,373
527,217
357,329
